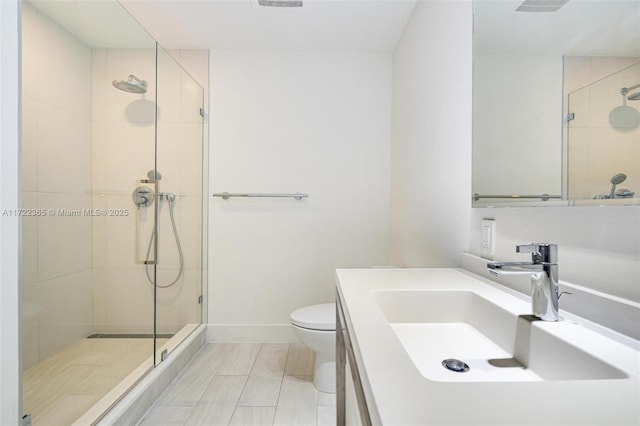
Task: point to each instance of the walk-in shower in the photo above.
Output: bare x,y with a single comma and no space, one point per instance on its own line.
96,318
602,136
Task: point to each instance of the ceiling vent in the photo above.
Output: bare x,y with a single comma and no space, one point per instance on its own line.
541,5
280,3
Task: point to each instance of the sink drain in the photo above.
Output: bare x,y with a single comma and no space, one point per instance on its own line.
455,365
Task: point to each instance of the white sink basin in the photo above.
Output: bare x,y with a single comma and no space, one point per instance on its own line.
498,344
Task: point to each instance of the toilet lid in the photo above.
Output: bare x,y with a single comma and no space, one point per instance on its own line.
315,317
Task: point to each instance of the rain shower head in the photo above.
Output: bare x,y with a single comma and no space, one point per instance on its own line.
132,85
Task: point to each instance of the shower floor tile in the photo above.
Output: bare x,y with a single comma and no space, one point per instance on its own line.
59,389
245,384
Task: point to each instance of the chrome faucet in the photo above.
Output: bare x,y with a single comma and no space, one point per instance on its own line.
543,270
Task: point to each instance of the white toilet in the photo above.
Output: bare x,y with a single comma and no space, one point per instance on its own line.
315,326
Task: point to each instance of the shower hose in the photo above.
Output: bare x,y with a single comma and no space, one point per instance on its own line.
171,200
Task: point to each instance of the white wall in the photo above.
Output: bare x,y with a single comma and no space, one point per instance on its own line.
10,368
517,124
317,123
431,138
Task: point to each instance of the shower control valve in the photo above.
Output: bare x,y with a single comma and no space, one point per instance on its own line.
143,196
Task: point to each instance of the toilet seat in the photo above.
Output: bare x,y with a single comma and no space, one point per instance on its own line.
316,317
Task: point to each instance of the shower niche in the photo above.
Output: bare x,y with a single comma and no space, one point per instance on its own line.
110,281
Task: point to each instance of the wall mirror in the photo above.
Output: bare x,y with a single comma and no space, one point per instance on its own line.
556,102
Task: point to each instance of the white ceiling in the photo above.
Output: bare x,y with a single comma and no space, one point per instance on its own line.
580,27
320,25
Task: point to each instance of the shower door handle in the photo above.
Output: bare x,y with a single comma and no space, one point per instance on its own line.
147,243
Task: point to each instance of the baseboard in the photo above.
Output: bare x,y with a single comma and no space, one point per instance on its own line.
250,333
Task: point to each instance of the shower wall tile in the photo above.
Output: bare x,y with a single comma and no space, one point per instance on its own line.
121,232
29,240
130,152
99,156
99,231
189,223
64,242
605,162
190,308
100,299
29,144
64,151
59,325
170,145
191,99
57,65
169,88
129,301
191,159
30,314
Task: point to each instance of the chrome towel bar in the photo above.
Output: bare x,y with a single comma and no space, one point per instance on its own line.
543,197
227,195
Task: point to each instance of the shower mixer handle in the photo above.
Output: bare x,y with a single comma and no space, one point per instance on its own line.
143,196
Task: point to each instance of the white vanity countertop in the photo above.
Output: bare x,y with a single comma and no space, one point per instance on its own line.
398,394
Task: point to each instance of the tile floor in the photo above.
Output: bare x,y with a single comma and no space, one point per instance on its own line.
245,384
59,389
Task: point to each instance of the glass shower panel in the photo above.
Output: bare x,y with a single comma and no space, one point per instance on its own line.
180,204
603,136
86,145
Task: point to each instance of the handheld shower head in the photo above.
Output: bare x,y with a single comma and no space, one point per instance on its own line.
616,180
132,85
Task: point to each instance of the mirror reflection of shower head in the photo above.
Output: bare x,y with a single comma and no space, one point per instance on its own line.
616,180
132,85
633,96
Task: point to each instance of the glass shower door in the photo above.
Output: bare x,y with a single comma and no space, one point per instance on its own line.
180,204
88,141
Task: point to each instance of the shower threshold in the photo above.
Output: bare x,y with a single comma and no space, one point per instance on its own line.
129,336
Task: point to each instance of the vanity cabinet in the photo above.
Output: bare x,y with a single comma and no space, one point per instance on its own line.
352,407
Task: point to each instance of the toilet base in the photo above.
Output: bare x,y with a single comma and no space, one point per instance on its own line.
324,372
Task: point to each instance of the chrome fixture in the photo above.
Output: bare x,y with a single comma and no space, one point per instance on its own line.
171,198
633,96
617,179
154,175
226,195
541,5
132,85
543,270
143,196
280,3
